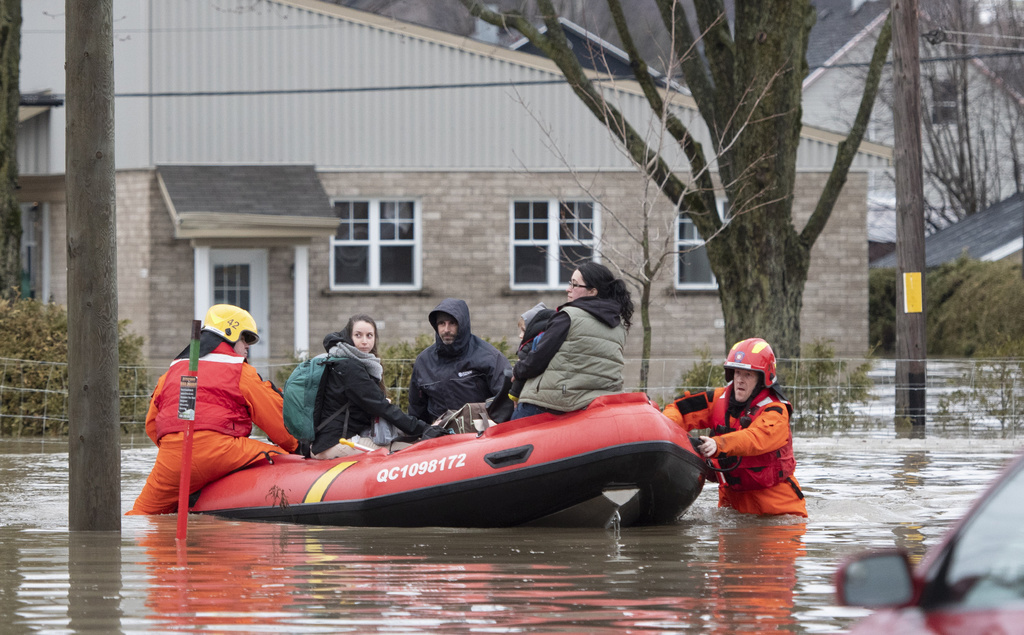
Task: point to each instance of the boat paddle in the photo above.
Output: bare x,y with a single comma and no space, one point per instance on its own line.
187,412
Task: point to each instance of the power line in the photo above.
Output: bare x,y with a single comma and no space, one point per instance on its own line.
454,86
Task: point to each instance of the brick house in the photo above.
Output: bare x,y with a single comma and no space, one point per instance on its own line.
315,161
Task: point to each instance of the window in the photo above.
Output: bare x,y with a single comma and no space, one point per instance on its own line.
693,269
943,102
231,285
376,245
550,239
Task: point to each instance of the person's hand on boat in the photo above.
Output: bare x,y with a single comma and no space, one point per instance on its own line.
432,432
708,447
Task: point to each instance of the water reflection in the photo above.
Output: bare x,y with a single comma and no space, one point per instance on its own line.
692,576
715,571
94,582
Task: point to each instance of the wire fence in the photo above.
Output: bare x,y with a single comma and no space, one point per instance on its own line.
964,397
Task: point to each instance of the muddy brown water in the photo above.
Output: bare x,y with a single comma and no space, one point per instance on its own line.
711,572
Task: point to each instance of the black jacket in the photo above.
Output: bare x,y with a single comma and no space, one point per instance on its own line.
348,382
448,376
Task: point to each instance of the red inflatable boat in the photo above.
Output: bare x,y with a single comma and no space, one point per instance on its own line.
618,461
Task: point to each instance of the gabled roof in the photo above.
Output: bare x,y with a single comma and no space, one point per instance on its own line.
229,201
841,25
32,104
593,52
992,234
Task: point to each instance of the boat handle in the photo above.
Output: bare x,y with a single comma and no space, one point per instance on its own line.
512,456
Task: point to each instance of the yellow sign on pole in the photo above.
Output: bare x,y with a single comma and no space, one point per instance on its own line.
912,292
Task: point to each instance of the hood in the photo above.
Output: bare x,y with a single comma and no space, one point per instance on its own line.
459,310
332,339
604,309
532,313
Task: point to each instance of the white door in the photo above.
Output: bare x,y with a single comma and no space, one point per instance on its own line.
239,277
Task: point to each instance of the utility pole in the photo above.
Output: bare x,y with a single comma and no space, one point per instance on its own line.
94,429
911,351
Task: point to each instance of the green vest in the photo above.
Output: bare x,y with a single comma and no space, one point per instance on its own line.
588,364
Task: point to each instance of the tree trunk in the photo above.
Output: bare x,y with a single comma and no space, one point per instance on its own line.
762,262
94,431
10,211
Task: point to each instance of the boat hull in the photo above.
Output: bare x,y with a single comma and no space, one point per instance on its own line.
620,460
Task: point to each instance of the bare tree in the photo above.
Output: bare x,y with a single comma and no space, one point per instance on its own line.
973,123
746,84
10,211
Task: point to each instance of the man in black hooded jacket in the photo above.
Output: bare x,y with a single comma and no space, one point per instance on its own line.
458,368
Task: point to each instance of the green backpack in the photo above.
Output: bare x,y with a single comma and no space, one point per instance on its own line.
301,390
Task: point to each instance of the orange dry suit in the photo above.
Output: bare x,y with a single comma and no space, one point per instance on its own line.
763,483
231,396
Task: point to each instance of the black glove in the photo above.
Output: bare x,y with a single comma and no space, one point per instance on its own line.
432,432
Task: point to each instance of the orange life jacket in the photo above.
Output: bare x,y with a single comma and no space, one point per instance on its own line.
220,405
763,470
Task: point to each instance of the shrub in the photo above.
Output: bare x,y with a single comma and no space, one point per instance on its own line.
968,305
973,305
705,374
822,388
34,378
882,310
995,388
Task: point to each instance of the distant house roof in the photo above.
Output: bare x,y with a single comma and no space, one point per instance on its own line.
992,234
593,52
32,104
227,201
841,25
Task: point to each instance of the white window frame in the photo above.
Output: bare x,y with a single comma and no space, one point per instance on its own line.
552,244
689,243
374,243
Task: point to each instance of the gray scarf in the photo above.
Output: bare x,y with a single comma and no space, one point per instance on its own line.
369,360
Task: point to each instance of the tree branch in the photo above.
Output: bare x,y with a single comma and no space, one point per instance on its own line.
693,150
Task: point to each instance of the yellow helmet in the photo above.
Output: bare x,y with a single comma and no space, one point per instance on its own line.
231,322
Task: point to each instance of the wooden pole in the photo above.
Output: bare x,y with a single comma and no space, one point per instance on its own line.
94,429
187,411
910,258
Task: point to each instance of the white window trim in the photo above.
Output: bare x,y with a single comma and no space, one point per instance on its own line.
373,261
696,242
551,244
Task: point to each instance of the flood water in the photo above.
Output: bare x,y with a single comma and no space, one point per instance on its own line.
712,572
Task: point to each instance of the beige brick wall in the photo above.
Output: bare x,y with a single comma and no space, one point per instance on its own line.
136,192
836,294
171,285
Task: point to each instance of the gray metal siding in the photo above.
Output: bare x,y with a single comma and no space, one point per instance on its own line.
366,116
34,145
335,94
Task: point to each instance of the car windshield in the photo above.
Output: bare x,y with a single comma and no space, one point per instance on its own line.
985,564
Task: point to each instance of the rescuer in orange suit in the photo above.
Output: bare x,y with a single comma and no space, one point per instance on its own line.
230,397
749,421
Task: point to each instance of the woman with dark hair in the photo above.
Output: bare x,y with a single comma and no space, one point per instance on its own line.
354,395
580,356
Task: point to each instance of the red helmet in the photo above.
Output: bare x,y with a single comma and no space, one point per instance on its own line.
754,354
